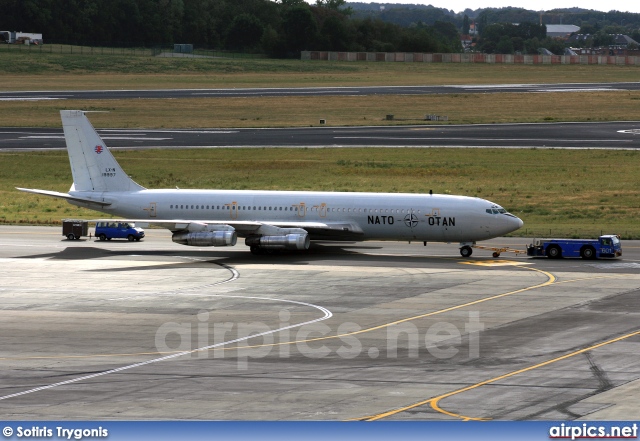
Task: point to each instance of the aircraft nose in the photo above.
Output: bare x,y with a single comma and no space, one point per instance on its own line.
519,222
513,223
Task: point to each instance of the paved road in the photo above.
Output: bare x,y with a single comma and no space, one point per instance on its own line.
312,91
105,330
612,135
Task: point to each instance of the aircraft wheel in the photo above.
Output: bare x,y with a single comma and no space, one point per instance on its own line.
496,254
466,251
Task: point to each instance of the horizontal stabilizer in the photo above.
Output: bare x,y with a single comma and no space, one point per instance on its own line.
66,196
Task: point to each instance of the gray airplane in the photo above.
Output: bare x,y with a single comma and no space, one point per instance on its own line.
270,220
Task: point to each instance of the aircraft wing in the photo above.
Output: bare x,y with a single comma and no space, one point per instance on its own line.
67,196
328,230
316,230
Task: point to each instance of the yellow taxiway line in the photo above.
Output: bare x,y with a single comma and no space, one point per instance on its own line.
550,279
434,402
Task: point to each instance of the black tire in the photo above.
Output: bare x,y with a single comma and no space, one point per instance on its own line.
554,252
496,255
130,238
102,237
466,251
137,239
71,236
588,253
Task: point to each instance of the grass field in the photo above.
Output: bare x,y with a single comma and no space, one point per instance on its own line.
556,192
42,71
337,111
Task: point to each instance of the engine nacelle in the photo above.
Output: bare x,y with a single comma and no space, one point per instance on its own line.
297,241
206,238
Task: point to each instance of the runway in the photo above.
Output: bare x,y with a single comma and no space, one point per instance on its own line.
312,91
609,135
393,331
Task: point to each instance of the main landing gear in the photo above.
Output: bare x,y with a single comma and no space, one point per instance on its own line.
466,251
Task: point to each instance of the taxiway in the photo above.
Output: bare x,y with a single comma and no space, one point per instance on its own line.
604,135
35,95
155,330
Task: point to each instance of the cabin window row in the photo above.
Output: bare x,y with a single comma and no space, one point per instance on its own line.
227,207
261,208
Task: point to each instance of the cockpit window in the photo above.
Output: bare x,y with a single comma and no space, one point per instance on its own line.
496,210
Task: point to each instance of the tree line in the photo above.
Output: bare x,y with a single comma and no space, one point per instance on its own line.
499,29
524,38
282,28
412,14
530,38
279,28
627,21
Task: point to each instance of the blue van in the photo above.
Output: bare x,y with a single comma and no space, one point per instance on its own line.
118,230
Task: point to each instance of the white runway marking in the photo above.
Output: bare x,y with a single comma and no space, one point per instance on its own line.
129,138
593,89
432,138
268,92
234,276
20,98
205,132
615,265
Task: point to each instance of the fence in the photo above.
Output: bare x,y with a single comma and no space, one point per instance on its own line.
407,57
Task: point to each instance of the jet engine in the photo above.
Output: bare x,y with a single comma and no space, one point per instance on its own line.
294,241
210,236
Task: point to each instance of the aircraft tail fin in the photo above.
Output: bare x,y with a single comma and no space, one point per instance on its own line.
93,166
